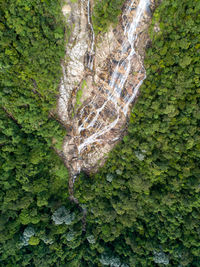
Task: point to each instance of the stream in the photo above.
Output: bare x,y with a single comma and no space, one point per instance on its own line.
117,80
99,120
114,101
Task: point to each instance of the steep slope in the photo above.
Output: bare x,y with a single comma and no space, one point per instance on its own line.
97,90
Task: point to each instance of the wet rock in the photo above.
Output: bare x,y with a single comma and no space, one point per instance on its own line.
99,115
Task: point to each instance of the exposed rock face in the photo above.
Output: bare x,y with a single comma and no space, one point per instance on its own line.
76,48
94,101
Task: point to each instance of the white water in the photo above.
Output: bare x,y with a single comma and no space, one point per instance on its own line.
91,55
119,75
117,82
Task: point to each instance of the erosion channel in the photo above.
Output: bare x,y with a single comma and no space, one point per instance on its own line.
101,79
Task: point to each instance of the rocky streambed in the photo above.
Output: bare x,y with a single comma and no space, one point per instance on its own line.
101,79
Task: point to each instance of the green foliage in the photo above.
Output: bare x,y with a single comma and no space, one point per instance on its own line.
33,180
106,12
34,241
31,47
79,94
144,204
78,97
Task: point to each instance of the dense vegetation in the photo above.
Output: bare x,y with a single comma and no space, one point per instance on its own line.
33,180
106,12
143,205
32,44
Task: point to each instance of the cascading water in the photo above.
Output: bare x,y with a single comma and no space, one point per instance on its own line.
97,123
91,54
99,120
119,76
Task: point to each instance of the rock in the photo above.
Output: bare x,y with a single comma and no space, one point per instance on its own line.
66,9
99,115
73,65
156,27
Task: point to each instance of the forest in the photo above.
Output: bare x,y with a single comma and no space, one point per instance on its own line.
105,13
143,206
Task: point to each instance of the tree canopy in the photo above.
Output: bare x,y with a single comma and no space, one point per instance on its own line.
142,207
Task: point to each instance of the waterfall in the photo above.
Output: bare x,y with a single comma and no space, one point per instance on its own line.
97,123
117,81
118,77
91,54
